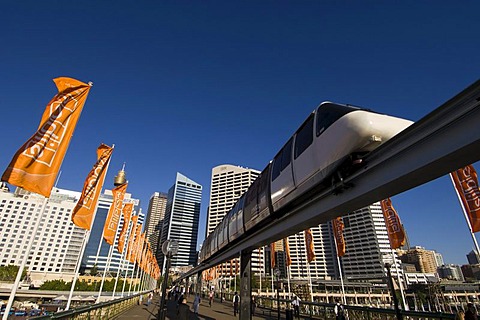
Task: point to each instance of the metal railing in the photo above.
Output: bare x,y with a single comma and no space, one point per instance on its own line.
105,310
314,310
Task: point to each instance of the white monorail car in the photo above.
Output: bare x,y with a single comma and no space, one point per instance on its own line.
327,145
333,135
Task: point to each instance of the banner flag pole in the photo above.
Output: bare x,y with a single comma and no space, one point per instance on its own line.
400,283
344,298
122,260
127,240
98,181
77,268
107,266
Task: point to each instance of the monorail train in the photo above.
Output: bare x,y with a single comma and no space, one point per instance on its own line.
326,147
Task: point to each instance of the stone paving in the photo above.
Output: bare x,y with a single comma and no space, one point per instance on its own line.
218,311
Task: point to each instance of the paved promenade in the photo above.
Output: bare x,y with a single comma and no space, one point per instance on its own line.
218,311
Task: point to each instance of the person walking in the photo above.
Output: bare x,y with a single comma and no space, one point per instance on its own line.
196,303
210,298
254,305
236,300
296,306
471,313
150,297
339,311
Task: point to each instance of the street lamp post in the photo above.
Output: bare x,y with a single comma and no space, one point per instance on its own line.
221,290
277,274
169,248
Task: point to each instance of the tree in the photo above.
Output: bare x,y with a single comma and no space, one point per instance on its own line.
58,285
94,270
9,273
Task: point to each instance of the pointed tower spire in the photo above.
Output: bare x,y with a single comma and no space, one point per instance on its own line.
120,178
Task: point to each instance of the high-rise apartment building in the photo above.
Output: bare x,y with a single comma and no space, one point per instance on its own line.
424,260
56,245
324,266
181,221
154,220
367,245
227,184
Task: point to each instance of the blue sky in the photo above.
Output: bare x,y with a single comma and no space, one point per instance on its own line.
184,86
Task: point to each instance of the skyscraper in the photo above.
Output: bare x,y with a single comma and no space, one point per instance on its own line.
473,257
154,220
367,244
181,221
324,266
227,184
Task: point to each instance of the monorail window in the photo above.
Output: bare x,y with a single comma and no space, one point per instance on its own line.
277,165
282,159
287,154
263,186
304,137
329,113
251,207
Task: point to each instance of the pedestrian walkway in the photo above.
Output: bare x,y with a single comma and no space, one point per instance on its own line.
218,311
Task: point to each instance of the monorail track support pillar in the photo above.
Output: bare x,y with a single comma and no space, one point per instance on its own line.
198,285
245,285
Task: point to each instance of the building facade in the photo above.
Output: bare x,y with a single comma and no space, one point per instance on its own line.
424,260
367,247
451,272
181,221
154,220
473,257
97,250
439,259
57,244
228,183
324,266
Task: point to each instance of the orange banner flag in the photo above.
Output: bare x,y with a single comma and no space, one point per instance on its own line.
338,227
139,247
113,216
84,211
465,181
134,233
288,258
36,164
127,214
144,256
309,245
272,255
395,231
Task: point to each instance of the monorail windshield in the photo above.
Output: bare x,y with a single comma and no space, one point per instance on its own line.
329,113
